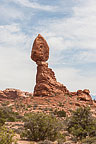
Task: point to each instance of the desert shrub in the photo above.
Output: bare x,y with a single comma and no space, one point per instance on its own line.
60,113
81,123
45,109
5,103
2,118
39,126
29,106
55,112
60,104
89,140
50,109
2,121
6,135
6,114
61,138
70,96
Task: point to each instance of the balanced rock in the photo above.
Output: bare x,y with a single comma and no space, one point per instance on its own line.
40,50
46,84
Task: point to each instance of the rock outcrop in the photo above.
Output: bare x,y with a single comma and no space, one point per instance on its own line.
84,95
13,94
46,84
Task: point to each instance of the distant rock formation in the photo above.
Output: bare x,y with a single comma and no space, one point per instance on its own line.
46,84
82,95
13,94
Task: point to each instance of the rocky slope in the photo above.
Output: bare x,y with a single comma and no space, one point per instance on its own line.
23,102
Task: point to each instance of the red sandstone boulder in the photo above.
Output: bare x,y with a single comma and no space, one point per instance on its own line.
2,95
73,93
79,92
40,49
12,93
86,91
84,95
94,103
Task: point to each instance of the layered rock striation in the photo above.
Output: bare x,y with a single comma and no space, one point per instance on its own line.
46,83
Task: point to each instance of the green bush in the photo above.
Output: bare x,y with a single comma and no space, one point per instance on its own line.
39,126
60,113
6,103
61,138
2,118
81,123
6,135
6,114
89,140
2,121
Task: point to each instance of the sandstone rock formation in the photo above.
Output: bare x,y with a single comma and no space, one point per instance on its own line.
40,50
84,95
46,84
13,94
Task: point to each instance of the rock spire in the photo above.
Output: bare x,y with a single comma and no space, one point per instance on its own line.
46,84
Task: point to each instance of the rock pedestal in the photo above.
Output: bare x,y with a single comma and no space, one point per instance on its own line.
46,84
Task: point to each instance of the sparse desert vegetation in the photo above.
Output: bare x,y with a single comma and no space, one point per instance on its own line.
52,127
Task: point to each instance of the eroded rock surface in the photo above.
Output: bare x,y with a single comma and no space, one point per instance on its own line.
46,84
40,50
84,95
10,93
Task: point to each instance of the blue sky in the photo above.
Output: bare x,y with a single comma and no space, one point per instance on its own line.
69,26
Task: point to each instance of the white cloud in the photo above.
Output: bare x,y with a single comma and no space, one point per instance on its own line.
72,79
78,31
10,28
87,56
35,5
16,68
12,36
7,13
